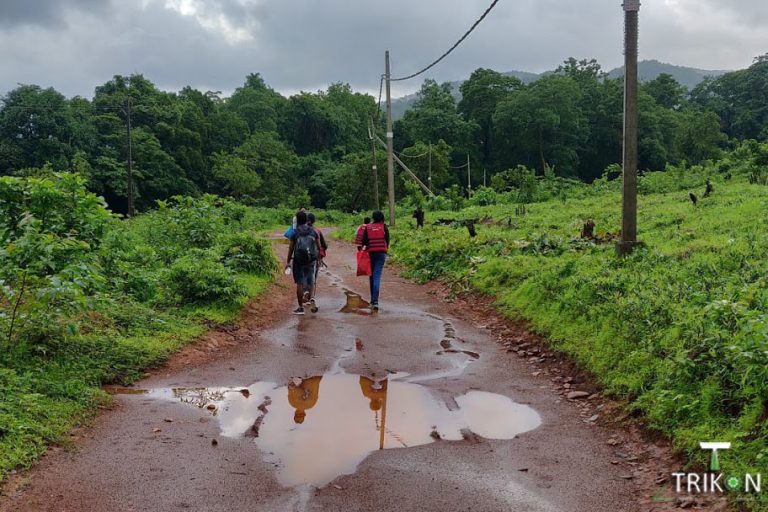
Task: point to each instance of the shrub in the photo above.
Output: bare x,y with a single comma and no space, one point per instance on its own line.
201,277
246,252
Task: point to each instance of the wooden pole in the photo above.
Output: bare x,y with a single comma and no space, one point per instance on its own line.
429,175
469,179
131,209
375,169
390,144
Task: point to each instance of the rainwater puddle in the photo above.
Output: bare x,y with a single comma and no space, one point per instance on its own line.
319,428
355,304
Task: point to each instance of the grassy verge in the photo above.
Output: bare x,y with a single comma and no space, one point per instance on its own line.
679,329
88,300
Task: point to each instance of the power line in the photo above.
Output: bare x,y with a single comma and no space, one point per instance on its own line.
444,55
53,108
403,155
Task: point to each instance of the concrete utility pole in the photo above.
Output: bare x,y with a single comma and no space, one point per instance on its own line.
629,191
131,210
390,144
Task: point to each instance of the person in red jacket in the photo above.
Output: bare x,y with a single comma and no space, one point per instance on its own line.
359,235
375,240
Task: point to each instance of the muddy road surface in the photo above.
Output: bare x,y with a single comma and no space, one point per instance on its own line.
407,409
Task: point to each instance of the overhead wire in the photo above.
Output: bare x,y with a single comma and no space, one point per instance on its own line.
403,155
455,45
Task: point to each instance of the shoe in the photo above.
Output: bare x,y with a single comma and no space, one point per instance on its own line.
305,298
298,311
375,306
313,305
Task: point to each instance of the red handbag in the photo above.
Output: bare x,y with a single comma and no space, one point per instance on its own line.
363,263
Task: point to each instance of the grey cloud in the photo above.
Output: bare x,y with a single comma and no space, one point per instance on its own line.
307,44
43,12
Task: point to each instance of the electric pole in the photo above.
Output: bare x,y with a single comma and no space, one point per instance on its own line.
469,179
429,175
629,189
131,210
375,168
390,144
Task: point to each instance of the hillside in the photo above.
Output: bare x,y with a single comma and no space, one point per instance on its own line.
648,70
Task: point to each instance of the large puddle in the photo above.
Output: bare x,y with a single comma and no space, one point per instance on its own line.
318,428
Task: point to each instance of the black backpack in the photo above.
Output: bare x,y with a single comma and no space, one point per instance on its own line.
305,248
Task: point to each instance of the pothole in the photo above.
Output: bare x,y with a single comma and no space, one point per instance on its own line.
316,429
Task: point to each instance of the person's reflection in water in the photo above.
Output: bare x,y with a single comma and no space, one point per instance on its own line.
376,392
303,396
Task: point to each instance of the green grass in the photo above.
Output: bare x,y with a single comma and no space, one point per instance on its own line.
679,329
127,309
43,398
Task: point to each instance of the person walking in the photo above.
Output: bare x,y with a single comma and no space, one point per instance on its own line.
303,251
323,250
375,240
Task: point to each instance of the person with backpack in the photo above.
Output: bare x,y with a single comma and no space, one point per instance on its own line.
375,240
323,251
359,234
303,251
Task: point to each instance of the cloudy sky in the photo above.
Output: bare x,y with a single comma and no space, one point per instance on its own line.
74,45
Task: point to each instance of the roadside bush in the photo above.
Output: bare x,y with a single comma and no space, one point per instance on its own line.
484,196
201,277
247,252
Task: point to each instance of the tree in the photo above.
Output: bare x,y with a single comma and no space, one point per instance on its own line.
602,103
739,98
310,124
481,94
435,117
666,91
698,137
417,157
36,127
265,155
234,177
258,105
543,125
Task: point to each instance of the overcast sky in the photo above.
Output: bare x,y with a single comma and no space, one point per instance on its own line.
74,45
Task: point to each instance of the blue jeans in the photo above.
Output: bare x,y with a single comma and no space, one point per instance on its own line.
377,268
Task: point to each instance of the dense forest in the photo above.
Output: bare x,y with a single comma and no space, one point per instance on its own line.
264,149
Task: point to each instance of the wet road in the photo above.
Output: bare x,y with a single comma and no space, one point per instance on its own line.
296,421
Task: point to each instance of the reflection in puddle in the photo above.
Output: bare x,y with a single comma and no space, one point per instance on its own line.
355,304
318,428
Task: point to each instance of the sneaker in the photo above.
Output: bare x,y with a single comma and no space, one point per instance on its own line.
298,311
375,306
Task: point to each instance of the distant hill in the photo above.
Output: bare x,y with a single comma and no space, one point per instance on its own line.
647,69
650,69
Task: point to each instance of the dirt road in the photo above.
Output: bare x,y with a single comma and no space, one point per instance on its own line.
292,421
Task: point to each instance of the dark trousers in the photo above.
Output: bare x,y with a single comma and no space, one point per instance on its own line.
377,268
